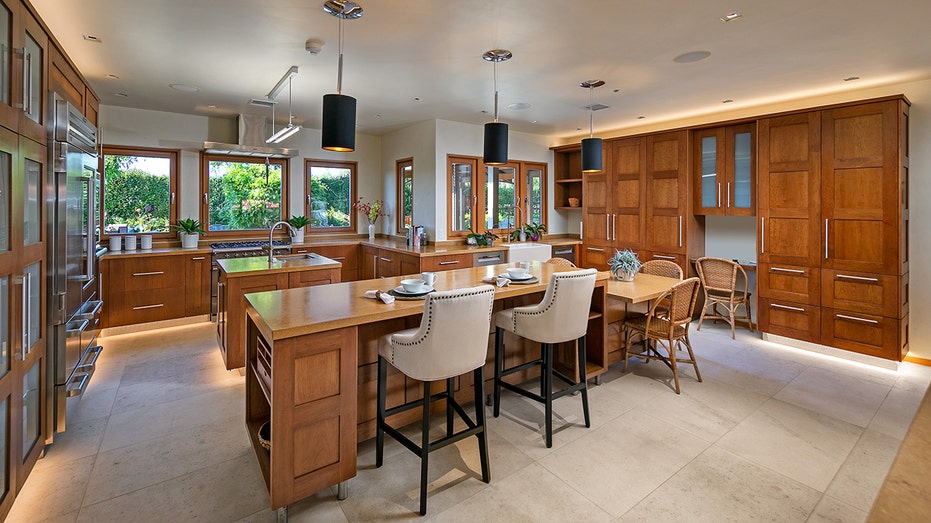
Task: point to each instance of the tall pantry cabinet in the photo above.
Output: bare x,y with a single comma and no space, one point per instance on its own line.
833,227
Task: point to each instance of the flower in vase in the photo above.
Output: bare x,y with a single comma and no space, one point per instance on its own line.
372,211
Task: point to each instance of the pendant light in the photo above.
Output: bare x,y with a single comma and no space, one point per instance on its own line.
591,146
496,133
285,132
339,110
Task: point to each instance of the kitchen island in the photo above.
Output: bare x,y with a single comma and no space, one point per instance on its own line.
311,369
240,276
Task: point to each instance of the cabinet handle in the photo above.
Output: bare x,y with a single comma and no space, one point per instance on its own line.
607,228
385,259
595,249
858,278
762,235
338,258
567,251
718,203
374,265
777,306
780,269
680,230
149,306
728,195
663,257
854,318
454,262
825,238
198,258
153,273
614,227
27,96
20,52
487,258
26,313
172,198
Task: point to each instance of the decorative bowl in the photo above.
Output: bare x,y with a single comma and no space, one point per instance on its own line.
573,202
413,285
265,435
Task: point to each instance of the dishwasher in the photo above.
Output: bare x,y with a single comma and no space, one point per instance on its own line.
482,259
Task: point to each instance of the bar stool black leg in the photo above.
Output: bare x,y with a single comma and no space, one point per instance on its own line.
380,421
499,363
547,374
584,381
450,389
424,447
479,378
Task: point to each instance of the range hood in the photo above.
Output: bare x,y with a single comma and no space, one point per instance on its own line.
251,141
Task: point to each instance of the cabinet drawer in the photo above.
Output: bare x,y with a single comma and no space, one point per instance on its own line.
793,283
130,307
678,259
446,262
311,278
862,292
149,272
793,320
596,257
864,333
482,259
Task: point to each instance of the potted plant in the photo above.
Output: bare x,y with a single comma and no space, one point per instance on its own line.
372,211
624,264
489,238
189,230
534,230
298,222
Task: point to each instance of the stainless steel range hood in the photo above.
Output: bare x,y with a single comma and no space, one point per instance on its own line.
251,141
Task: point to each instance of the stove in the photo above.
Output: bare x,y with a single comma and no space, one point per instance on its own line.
248,249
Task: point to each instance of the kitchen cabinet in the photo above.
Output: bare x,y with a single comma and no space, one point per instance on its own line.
723,169
196,284
348,255
386,263
64,80
22,100
446,262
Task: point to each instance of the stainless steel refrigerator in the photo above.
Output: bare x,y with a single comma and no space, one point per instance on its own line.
73,211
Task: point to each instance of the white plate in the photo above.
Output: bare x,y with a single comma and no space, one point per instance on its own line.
400,290
508,276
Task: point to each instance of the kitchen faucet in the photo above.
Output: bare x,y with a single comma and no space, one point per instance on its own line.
517,210
271,246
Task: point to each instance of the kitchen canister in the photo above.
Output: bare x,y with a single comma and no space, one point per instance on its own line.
145,242
129,242
116,243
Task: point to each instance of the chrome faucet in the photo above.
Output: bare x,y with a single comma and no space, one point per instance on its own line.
271,245
517,210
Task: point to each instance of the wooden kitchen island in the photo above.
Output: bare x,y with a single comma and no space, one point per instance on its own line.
311,369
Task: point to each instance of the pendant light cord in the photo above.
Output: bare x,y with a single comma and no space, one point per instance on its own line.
496,90
591,111
339,74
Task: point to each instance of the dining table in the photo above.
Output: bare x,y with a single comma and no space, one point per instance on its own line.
644,287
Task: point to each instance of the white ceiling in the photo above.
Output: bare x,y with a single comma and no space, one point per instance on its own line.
413,60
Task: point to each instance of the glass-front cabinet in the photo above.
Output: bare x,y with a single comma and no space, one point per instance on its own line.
23,79
724,170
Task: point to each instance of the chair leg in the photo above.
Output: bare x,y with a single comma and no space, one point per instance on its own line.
688,345
499,362
730,310
672,363
627,336
478,376
424,447
749,315
543,387
380,422
547,377
450,390
701,316
583,380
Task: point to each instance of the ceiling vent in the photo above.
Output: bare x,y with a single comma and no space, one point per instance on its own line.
596,107
252,136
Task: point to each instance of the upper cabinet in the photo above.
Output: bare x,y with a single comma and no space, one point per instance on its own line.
22,80
567,177
724,170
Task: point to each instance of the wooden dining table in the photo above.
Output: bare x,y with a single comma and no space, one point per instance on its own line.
645,287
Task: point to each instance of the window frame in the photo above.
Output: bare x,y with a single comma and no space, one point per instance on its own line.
353,189
174,158
204,196
399,167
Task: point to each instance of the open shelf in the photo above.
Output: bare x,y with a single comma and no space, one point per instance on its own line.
568,180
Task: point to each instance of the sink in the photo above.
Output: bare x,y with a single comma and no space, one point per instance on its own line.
529,251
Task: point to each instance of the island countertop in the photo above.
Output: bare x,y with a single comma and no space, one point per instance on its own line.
239,267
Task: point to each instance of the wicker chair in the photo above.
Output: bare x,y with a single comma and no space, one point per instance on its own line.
561,262
662,268
719,279
671,332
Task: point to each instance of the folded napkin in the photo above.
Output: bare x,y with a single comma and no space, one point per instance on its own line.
379,295
497,280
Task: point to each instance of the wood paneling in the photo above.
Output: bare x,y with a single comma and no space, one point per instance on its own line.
863,292
667,198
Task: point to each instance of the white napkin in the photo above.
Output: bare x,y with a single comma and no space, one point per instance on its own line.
379,295
499,281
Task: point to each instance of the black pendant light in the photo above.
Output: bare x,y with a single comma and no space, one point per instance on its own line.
591,146
496,133
339,110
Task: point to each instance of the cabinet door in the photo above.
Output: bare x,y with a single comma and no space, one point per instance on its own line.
860,188
667,192
197,284
64,80
9,19
708,171
596,215
388,264
789,179
626,191
740,167
32,57
369,263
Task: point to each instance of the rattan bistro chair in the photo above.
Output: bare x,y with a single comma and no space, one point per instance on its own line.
444,346
719,279
561,262
665,268
671,332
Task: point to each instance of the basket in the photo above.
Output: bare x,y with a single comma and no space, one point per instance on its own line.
265,435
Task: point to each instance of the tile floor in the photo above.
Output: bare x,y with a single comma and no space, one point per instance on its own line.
771,434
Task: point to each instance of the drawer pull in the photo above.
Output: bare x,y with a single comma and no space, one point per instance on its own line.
487,258
385,259
567,251
595,249
196,258
154,273
777,306
854,318
663,257
454,262
780,269
858,278
157,305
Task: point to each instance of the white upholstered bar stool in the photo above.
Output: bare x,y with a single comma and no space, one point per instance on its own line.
562,316
451,340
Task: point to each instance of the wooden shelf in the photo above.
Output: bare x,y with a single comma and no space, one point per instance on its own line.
569,180
261,455
567,208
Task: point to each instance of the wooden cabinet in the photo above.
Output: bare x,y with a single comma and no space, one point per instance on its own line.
23,101
348,255
723,170
196,284
667,195
446,262
386,263
567,176
64,80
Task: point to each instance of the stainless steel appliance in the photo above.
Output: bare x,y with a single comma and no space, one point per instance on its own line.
248,249
73,217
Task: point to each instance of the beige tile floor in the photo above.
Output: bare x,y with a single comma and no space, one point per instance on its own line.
771,434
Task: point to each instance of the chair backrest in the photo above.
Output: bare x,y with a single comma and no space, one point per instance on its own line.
562,262
682,298
718,274
452,338
563,313
665,268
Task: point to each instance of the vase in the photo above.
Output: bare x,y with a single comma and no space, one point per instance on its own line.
298,236
623,275
371,232
522,236
189,241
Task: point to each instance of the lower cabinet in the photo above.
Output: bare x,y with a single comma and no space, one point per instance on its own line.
347,254
387,263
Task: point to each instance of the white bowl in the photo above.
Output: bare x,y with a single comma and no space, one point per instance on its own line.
413,285
518,273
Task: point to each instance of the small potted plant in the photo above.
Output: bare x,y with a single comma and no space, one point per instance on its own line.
189,230
298,222
624,264
534,230
489,238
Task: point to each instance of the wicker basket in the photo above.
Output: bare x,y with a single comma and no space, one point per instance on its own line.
265,435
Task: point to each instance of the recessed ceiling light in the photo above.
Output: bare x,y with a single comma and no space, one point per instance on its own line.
184,88
113,76
617,90
851,78
519,106
123,95
641,117
92,38
211,106
692,56
728,101
533,121
731,17
416,99
377,116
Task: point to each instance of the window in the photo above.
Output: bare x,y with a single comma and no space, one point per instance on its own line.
138,189
243,193
331,190
461,195
405,170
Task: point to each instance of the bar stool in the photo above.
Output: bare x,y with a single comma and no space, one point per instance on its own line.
451,340
562,316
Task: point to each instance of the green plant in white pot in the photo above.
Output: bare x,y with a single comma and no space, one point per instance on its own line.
298,222
189,229
624,264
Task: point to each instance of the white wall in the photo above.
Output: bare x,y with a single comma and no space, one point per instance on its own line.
417,141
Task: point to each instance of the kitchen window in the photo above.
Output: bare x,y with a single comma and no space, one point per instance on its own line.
405,172
331,190
139,186
243,193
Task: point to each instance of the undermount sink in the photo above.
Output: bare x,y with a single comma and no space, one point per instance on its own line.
529,251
